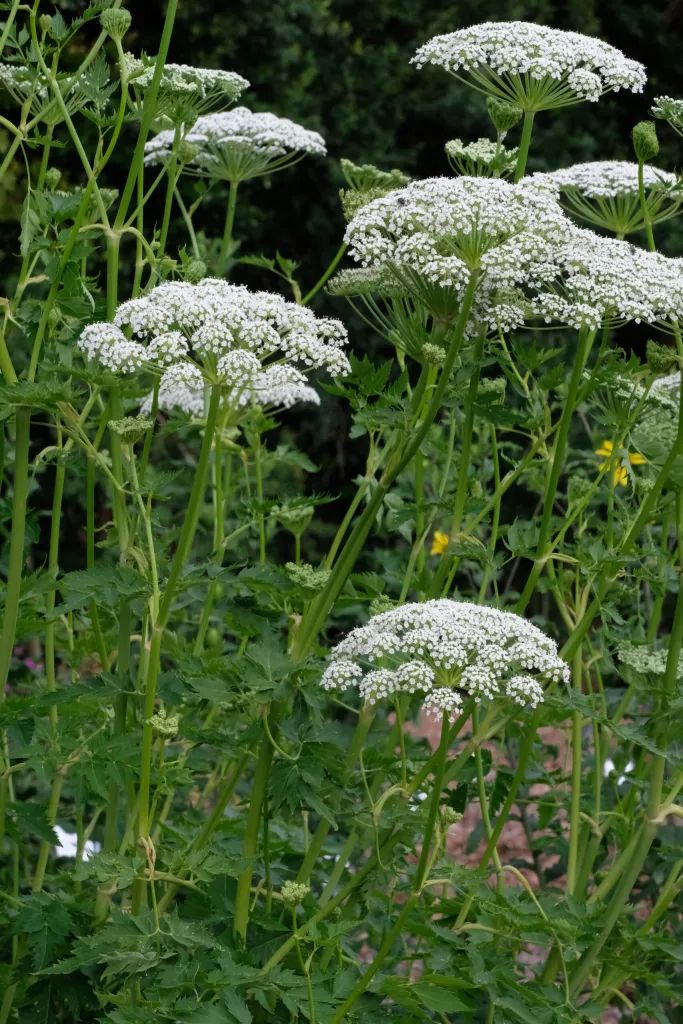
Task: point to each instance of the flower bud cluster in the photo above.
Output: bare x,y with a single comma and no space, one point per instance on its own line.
534,66
238,144
251,341
447,651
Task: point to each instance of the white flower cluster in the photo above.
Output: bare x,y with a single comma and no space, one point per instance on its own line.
238,144
482,157
667,388
178,328
447,650
609,178
532,65
440,229
647,660
184,89
27,84
669,109
607,281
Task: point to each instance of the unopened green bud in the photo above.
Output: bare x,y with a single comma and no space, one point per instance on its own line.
307,577
116,22
504,116
660,357
131,428
645,141
381,604
163,724
433,355
53,176
295,519
45,22
294,892
213,637
195,271
449,816
53,318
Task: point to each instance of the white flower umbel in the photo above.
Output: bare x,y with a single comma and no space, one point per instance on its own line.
432,234
184,92
608,282
255,344
605,193
669,109
277,387
482,158
532,66
237,145
27,86
446,651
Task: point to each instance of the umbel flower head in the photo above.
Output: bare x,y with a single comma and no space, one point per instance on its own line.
431,235
666,108
532,66
238,144
26,84
605,193
184,92
605,281
447,651
250,342
482,158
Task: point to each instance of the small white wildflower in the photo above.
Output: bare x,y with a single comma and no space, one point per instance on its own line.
238,144
533,66
446,650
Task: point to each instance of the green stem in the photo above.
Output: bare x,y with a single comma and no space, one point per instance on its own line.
257,796
158,627
648,829
172,173
226,241
320,835
524,142
585,342
420,876
647,505
209,826
149,113
644,209
575,808
463,468
324,278
403,452
14,575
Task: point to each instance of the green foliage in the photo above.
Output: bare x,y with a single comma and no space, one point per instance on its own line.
193,830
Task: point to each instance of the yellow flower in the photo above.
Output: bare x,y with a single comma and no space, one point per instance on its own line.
620,471
439,543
